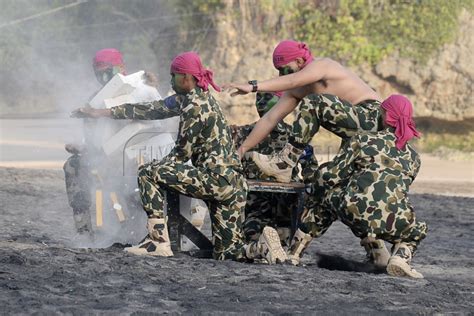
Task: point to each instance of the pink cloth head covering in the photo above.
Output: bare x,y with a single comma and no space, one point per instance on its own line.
287,51
278,93
398,113
107,57
190,63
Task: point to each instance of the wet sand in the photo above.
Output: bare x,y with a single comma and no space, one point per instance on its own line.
41,272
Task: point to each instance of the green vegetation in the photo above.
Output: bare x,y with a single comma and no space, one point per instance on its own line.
352,31
366,31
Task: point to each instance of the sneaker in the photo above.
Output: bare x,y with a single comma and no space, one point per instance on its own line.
279,165
377,253
157,243
399,263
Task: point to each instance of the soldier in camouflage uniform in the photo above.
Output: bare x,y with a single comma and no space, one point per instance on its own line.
107,63
215,175
264,208
327,95
77,189
81,169
366,187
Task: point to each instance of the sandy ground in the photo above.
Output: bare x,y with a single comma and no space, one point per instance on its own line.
42,272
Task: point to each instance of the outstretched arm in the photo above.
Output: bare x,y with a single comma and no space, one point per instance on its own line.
313,72
155,110
267,123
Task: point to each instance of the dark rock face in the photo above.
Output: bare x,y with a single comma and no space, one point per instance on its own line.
443,87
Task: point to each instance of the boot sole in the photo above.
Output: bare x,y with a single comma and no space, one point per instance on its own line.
157,252
399,268
276,254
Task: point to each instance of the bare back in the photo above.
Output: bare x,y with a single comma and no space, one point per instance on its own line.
337,80
322,76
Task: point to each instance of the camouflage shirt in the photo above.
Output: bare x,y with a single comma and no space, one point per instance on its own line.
371,172
203,137
274,142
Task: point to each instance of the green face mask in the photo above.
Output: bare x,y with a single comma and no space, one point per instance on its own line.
265,102
174,83
104,75
283,71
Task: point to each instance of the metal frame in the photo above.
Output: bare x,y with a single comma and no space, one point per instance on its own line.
277,187
178,225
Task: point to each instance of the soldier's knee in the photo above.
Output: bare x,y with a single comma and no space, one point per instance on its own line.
142,170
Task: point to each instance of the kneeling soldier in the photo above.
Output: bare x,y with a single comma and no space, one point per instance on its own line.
215,175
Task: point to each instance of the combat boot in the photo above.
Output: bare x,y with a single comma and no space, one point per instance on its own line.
279,165
399,262
377,253
299,243
157,243
284,235
267,247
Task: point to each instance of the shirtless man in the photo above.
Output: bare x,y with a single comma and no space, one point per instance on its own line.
326,90
328,95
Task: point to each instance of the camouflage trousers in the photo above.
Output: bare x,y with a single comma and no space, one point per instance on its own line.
76,174
344,120
377,220
267,209
337,116
224,195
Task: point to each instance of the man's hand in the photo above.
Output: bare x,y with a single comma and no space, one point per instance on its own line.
240,89
88,112
241,152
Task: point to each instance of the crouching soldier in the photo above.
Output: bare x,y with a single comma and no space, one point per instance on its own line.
327,95
215,175
265,208
366,186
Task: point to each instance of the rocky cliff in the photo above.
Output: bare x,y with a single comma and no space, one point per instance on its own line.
442,87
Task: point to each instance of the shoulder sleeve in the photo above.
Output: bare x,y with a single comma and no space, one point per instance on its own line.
190,128
155,110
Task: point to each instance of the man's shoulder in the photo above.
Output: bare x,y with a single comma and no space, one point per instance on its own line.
373,139
319,61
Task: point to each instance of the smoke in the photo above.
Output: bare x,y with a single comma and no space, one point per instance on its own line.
46,68
46,61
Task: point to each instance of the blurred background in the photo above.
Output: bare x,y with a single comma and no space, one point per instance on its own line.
422,49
